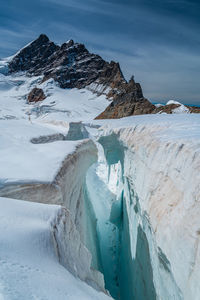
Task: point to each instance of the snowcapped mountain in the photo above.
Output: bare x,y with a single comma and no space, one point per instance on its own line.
71,65
116,210
40,144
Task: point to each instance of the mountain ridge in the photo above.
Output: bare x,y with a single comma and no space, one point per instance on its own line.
73,66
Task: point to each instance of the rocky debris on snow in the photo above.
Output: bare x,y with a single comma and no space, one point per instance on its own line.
36,95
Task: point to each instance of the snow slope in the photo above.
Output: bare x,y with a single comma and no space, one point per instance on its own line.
60,104
20,159
41,162
29,263
21,123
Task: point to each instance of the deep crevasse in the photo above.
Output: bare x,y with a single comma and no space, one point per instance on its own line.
148,225
137,213
159,225
102,197
127,249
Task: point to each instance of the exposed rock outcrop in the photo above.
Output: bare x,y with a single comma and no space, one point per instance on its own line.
34,57
36,95
128,100
126,108
168,109
193,109
70,64
73,66
176,108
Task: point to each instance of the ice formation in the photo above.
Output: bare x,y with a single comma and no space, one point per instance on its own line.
155,207
32,263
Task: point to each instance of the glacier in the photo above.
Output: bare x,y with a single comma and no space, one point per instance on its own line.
116,202
44,158
153,163
61,181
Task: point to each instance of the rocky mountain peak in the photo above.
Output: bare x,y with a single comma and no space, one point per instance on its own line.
132,81
68,44
34,56
43,38
73,66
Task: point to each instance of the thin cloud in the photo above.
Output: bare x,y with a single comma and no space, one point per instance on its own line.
95,7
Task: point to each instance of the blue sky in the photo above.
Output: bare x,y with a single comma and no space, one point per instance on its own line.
157,41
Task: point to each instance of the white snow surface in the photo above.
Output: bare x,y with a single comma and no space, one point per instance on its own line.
173,102
60,104
29,265
20,122
30,268
181,109
23,161
165,127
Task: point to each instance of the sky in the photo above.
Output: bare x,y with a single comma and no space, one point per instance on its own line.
156,41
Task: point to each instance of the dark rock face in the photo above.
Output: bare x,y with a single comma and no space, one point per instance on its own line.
128,100
73,66
126,109
34,57
36,95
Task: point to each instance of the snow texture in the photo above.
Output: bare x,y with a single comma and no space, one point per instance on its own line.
29,262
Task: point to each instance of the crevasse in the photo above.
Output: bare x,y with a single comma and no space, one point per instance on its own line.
131,212
134,266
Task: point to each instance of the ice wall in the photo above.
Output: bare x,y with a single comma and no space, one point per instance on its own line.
101,199
31,257
159,190
76,251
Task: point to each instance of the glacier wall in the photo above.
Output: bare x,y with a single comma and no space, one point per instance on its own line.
101,199
74,231
158,186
